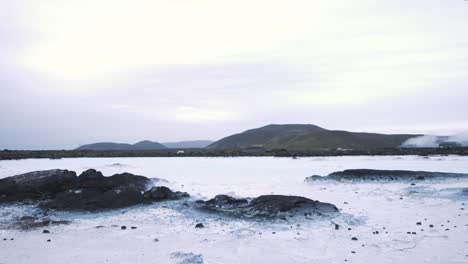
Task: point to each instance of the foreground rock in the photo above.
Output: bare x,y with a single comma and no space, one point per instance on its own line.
36,185
386,175
163,193
268,206
91,191
94,200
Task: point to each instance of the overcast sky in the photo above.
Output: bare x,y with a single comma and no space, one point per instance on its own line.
81,71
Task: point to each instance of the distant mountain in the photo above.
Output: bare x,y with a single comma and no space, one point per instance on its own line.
142,145
188,144
307,137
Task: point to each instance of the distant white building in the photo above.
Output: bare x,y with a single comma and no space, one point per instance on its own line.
180,152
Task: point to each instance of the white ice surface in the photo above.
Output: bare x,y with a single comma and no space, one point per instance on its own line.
369,207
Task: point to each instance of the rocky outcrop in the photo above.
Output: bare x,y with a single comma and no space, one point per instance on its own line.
268,206
91,191
386,175
92,179
36,185
160,193
95,200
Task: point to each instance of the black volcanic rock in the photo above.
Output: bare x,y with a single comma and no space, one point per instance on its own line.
95,200
272,205
386,175
36,185
268,206
163,193
91,191
225,202
92,179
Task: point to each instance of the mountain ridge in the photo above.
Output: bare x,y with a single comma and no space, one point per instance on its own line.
142,145
308,137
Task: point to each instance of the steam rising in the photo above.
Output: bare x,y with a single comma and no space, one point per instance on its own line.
429,141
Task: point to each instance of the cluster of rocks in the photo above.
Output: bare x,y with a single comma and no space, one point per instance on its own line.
90,191
386,175
267,206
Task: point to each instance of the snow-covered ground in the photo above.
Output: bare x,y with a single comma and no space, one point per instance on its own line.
165,231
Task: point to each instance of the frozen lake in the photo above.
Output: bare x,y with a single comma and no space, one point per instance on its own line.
392,209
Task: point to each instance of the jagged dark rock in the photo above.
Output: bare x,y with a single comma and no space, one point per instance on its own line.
94,200
36,185
92,179
268,206
90,191
160,193
385,175
225,202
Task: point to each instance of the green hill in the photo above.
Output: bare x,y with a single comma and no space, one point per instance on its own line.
307,137
142,145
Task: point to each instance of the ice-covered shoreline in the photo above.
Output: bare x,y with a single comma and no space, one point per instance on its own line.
366,208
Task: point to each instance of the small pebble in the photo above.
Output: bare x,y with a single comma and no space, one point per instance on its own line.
156,240
431,225
46,232
133,227
354,238
48,240
418,223
123,227
354,252
199,225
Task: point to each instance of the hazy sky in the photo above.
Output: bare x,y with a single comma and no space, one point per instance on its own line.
78,71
